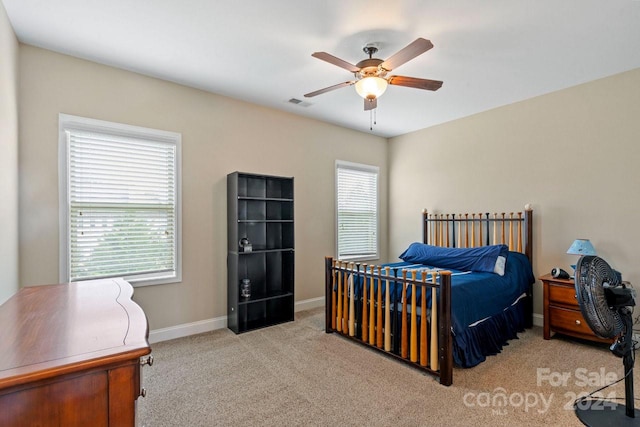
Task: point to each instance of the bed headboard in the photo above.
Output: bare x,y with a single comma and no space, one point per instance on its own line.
471,230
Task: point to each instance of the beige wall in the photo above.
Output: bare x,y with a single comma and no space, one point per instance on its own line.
8,158
573,154
219,135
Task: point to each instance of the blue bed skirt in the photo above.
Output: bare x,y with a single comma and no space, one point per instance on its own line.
472,345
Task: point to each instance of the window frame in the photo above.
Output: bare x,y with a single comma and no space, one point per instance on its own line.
70,122
343,164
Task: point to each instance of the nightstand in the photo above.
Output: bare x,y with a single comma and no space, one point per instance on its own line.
562,312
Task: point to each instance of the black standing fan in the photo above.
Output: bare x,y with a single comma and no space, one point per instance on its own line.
605,304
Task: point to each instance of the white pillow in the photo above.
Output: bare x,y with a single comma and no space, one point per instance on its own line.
500,264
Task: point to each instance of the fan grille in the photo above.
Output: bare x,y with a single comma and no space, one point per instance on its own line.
592,275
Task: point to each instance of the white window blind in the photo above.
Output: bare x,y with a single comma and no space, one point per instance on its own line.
122,205
357,210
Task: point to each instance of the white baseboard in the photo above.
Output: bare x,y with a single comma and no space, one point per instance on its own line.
308,304
186,329
538,319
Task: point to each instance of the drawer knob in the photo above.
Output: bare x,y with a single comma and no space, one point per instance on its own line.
147,360
578,322
143,392
575,296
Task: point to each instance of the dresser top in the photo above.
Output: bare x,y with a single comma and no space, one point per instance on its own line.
56,329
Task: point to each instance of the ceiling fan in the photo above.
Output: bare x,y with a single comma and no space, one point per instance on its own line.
371,74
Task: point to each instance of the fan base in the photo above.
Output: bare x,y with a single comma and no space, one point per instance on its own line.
605,413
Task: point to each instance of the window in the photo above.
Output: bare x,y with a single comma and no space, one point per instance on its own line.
357,211
119,202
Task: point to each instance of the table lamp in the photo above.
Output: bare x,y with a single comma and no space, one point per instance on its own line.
581,247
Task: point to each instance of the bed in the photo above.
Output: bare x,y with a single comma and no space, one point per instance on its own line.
455,298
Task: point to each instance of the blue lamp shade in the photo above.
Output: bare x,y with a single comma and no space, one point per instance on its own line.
581,247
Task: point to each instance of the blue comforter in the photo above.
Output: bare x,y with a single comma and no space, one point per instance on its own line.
487,310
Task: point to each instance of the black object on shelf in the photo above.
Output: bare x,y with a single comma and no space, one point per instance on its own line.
245,288
260,251
245,245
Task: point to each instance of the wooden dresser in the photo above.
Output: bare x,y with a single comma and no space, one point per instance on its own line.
561,310
70,355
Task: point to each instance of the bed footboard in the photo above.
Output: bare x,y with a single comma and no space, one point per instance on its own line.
408,318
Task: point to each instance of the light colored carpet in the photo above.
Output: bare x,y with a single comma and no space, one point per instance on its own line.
295,374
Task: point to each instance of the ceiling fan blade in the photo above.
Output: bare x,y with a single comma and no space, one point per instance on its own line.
417,47
328,89
370,104
415,82
335,61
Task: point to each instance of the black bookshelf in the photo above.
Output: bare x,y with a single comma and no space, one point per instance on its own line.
259,209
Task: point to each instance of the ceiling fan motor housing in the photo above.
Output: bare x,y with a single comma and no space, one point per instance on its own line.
370,68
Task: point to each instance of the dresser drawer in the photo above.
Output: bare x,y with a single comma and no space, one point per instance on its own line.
563,295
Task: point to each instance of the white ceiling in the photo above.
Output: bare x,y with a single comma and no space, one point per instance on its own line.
488,53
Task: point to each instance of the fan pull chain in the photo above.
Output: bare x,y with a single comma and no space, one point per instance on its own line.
373,118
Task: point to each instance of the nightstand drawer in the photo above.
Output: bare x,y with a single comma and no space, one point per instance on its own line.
563,295
570,321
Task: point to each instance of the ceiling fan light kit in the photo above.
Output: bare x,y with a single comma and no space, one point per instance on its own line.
371,73
371,87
